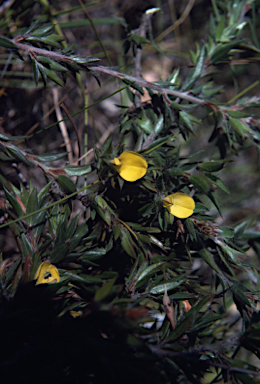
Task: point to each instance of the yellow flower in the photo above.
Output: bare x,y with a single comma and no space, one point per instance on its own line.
179,204
130,165
76,314
47,273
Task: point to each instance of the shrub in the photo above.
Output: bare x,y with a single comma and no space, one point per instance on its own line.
137,266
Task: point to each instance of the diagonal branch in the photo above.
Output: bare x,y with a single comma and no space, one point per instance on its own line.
112,72
155,87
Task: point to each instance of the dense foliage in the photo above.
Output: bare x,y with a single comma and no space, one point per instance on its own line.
140,286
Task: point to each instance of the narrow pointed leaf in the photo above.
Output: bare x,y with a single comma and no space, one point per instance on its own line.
66,184
79,170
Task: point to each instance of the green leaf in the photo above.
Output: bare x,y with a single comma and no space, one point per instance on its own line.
149,271
39,223
127,244
238,114
200,183
73,244
159,126
231,252
45,157
133,85
59,253
174,78
6,43
82,278
158,143
79,170
185,118
105,290
82,230
196,72
32,206
11,271
36,71
42,69
14,203
218,182
225,261
184,324
147,184
54,77
208,258
5,137
220,27
72,227
221,50
238,126
26,246
103,209
214,198
138,40
15,152
212,166
227,232
107,144
43,194
50,40
191,229
237,291
116,231
94,252
41,31
157,242
32,27
146,125
174,171
52,64
168,285
66,184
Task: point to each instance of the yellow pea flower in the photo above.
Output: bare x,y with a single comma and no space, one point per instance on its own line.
179,204
47,273
130,165
75,314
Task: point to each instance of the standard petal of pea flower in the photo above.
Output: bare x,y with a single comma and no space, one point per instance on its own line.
179,204
47,273
130,165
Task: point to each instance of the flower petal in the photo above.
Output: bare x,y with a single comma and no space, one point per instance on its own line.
117,162
179,204
130,165
180,212
47,273
131,173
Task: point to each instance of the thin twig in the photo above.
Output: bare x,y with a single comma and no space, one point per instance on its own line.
95,30
6,65
63,127
83,156
75,129
178,22
40,51
36,125
90,152
141,31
